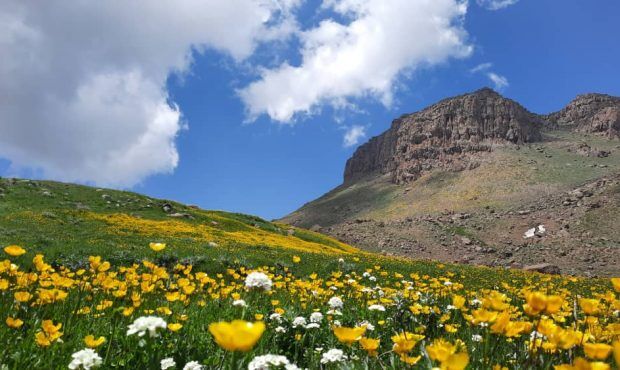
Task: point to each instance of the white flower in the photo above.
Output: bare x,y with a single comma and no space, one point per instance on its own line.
258,280
167,363
335,303
316,317
476,338
313,325
376,307
275,317
299,321
239,303
193,365
475,302
366,274
85,359
337,323
450,307
447,283
334,312
280,329
536,335
369,326
332,356
372,278
267,362
341,260
146,323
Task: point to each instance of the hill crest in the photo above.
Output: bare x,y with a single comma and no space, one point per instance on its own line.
446,135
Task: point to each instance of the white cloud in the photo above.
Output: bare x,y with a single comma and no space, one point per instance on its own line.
361,58
496,4
499,82
353,135
481,67
83,84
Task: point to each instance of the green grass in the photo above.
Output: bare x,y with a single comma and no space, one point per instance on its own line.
68,223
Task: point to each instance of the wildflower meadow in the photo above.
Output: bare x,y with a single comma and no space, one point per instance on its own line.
354,312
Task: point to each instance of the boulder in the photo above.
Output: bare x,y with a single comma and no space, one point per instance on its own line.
545,268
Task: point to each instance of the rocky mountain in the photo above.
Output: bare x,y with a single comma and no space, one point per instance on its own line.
479,179
445,135
591,113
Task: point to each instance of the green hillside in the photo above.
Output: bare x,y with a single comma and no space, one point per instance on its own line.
69,222
80,284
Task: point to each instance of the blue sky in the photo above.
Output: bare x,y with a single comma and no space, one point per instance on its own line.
233,154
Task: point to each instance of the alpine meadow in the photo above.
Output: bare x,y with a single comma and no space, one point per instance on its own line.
310,184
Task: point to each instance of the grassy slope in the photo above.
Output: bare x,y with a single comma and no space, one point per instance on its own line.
505,179
68,223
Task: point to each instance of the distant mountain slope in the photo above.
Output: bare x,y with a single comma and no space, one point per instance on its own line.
67,222
464,179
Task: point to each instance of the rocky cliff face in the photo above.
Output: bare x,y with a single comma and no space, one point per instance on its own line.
446,135
592,113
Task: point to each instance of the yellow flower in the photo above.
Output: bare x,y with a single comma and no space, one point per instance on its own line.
616,283
237,335
554,304
483,315
616,346
22,296
538,302
410,360
440,350
175,327
258,316
583,364
597,351
445,352
49,333
404,342
458,301
370,345
501,322
173,296
457,361
14,250
349,335
91,342
14,323
589,306
157,247
296,259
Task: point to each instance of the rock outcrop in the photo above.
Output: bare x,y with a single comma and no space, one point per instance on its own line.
591,113
446,135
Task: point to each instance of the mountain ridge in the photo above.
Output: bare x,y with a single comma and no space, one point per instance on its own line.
432,164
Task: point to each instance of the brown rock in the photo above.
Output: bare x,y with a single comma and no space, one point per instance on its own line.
592,113
545,268
445,135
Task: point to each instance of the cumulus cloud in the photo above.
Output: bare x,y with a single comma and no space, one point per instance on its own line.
359,55
83,84
353,135
499,82
496,4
